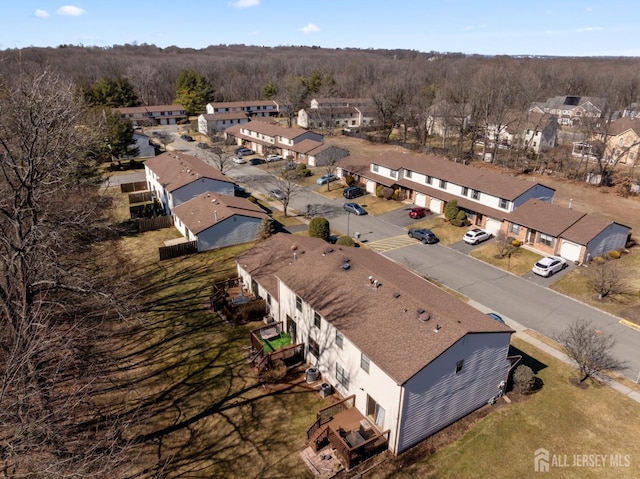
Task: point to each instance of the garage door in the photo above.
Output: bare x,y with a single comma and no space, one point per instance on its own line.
435,205
492,226
570,251
421,200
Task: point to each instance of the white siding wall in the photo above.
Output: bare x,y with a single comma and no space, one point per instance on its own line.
375,383
437,396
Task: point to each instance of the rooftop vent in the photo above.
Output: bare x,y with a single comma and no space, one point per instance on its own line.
437,328
423,315
346,266
396,295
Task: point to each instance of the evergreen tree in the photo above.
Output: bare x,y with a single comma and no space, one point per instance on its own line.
193,91
112,92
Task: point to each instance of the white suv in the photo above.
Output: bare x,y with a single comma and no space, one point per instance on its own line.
476,236
549,265
271,158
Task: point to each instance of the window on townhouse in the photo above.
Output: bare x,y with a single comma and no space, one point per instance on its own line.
314,347
298,303
465,191
364,362
342,376
459,366
393,174
514,228
443,184
374,168
407,173
429,180
545,239
316,320
503,203
339,339
475,194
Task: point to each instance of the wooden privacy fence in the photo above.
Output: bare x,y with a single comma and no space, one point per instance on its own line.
140,197
176,250
150,224
135,186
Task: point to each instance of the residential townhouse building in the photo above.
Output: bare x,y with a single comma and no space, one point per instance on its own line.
254,108
431,181
153,115
265,138
214,124
413,358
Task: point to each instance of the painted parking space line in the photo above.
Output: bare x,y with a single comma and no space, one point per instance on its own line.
630,324
388,244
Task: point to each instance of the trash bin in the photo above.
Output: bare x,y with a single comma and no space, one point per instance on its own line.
312,374
325,390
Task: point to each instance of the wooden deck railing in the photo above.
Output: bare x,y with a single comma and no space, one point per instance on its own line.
330,411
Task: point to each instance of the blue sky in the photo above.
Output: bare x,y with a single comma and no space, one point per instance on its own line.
491,27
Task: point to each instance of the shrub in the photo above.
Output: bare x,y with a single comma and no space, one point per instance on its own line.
379,191
349,180
267,228
598,260
516,242
345,241
319,228
305,172
451,210
613,254
524,379
300,167
387,193
396,195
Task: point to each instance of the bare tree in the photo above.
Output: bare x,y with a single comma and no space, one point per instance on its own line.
51,298
164,138
504,245
287,183
608,278
218,158
589,348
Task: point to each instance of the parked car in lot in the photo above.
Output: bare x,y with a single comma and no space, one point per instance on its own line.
419,212
186,138
238,161
246,152
277,194
549,265
352,192
475,236
239,190
326,178
354,208
424,235
271,158
495,316
256,161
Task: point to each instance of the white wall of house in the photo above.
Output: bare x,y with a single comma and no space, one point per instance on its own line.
374,384
438,395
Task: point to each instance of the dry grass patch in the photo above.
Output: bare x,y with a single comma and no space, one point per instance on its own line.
520,262
377,206
446,232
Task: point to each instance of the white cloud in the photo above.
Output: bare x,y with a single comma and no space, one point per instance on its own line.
70,11
246,3
589,29
311,28
41,13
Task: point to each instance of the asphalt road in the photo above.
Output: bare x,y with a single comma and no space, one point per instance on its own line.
523,302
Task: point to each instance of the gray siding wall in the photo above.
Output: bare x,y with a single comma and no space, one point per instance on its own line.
437,396
199,186
234,230
612,237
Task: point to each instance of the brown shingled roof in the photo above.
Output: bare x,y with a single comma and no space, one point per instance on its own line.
545,217
207,209
382,322
176,170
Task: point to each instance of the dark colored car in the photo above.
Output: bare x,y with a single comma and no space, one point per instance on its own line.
352,192
256,161
419,212
424,235
355,209
186,138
